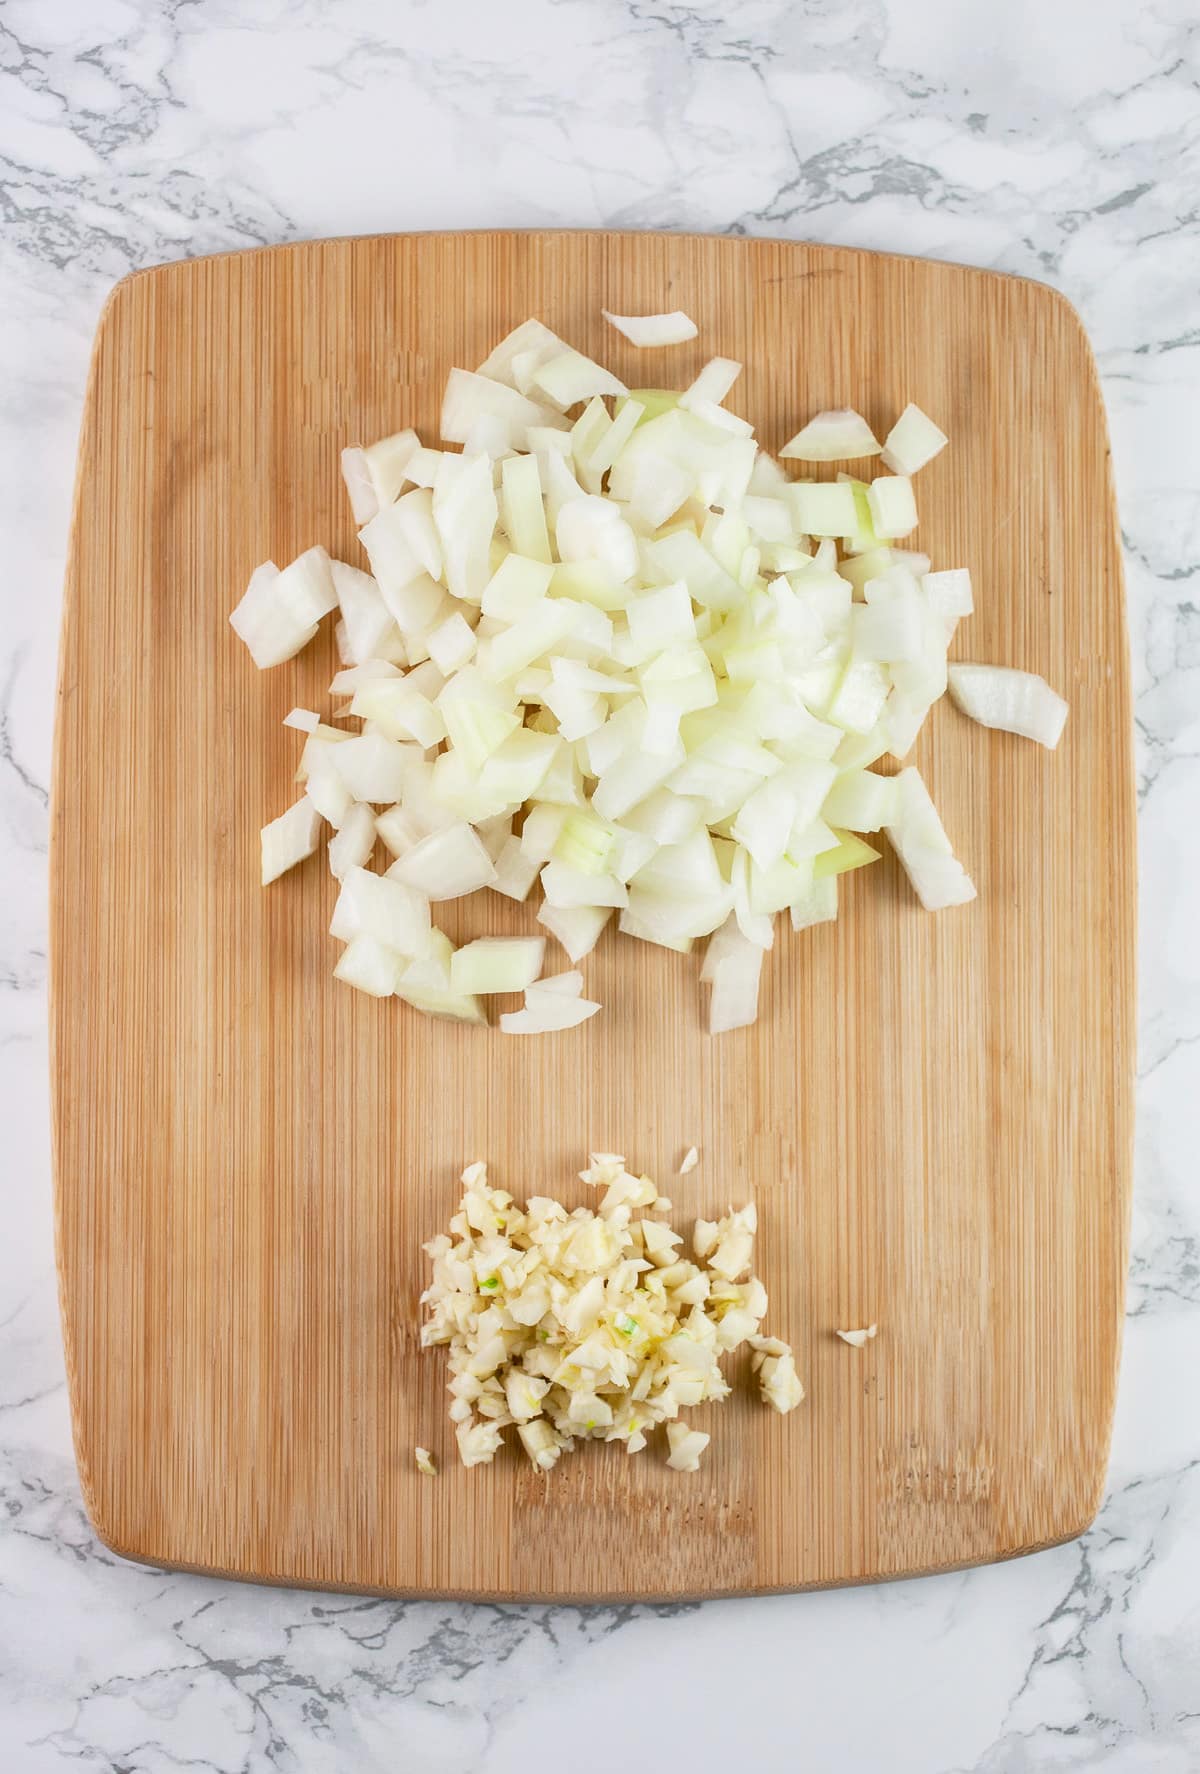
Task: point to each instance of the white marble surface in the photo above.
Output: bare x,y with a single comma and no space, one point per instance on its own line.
1058,138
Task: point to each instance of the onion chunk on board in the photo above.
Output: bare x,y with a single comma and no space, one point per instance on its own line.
611,658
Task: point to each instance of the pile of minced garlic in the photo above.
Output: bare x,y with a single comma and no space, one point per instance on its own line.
593,1324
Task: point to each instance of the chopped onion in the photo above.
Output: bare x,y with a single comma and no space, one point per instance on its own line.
447,864
305,589
497,964
689,1161
352,843
532,341
612,646
469,398
515,872
732,966
384,908
370,967
653,329
858,1338
919,840
571,377
373,767
375,476
271,630
893,508
832,437
1014,701
913,441
547,1012
289,839
712,384
823,508
576,927
818,906
303,719
568,985
370,633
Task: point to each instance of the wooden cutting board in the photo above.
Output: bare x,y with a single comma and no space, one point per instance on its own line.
933,1112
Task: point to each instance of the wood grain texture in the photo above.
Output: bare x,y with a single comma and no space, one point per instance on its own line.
933,1112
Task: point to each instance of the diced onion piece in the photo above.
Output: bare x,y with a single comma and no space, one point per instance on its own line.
447,864
373,767
860,801
568,985
370,632
571,377
822,508
817,905
577,927
451,643
522,509
592,529
390,553
653,329
832,437
422,467
497,964
913,441
465,512
400,830
271,630
532,340
857,1339
414,516
516,587
732,966
382,907
546,1013
712,384
305,589
469,398
289,839
439,1000
398,710
893,507
515,872
1013,701
374,476
689,1161
303,719
370,967
889,628
425,1462
850,852
949,592
352,843
326,791
919,840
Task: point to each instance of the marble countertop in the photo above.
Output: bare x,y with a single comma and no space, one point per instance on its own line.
1055,138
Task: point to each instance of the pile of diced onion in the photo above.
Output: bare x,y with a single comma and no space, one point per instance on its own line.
608,646
593,1324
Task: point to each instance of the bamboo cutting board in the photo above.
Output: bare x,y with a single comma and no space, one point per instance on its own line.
933,1112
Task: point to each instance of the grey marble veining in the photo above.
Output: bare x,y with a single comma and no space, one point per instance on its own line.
1060,139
